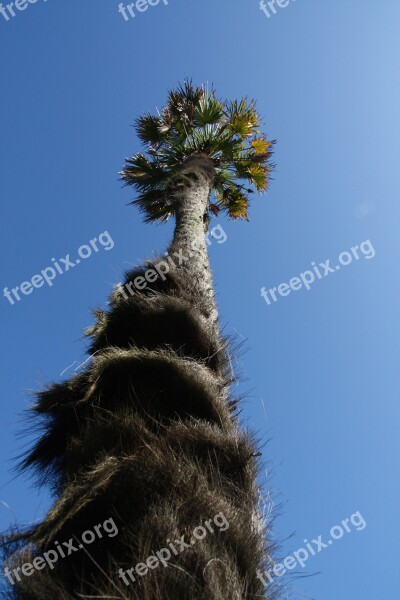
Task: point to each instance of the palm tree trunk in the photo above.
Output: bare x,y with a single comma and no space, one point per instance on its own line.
146,436
191,190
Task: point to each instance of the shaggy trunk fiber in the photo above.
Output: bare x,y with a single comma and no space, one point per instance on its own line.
147,436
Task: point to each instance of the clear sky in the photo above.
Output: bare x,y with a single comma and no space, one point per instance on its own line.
320,372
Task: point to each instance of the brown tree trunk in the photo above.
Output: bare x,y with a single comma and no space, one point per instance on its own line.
146,436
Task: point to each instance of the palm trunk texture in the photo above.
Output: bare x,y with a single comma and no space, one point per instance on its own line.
147,435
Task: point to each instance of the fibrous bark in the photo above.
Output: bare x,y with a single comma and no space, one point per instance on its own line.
147,435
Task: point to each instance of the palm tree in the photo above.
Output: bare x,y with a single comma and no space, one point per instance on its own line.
147,437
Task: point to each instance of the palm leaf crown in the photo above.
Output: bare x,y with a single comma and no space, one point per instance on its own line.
194,122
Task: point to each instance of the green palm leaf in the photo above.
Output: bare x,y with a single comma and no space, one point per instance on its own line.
194,122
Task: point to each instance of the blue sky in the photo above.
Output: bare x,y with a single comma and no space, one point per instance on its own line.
320,371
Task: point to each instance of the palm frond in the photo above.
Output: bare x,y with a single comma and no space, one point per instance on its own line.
149,129
194,121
